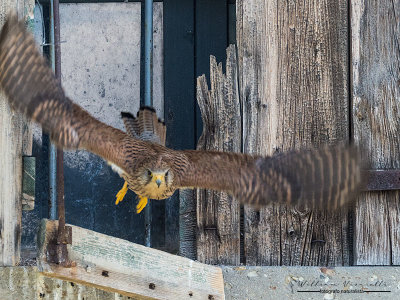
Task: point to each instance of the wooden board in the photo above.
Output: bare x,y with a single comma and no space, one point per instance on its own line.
179,95
218,215
133,270
15,141
375,28
293,72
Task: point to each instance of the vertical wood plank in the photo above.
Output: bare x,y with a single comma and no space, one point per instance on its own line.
376,113
218,215
12,131
293,64
179,98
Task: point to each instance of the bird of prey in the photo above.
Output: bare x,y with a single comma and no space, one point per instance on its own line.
146,127
325,178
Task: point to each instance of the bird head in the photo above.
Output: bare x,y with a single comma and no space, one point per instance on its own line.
159,177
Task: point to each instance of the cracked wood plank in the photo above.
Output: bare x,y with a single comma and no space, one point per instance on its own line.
218,214
375,75
293,72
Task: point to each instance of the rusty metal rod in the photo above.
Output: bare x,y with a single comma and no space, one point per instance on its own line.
148,92
52,147
60,154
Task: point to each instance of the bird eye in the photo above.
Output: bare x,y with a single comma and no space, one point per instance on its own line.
148,172
166,173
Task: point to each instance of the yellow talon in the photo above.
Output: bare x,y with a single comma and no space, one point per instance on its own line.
121,194
142,204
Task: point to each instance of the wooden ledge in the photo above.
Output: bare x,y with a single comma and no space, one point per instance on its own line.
120,266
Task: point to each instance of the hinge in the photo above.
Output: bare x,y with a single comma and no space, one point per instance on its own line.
383,180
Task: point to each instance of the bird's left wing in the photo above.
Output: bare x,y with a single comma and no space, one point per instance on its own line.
327,178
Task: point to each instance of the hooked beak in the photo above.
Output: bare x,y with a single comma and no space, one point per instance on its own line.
158,181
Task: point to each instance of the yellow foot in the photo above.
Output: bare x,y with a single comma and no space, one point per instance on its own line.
142,204
121,194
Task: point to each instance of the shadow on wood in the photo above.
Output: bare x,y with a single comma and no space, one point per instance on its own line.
133,270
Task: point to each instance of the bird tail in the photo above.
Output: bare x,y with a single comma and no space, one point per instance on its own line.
146,126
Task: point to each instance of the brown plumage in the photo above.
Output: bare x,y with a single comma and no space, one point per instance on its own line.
325,178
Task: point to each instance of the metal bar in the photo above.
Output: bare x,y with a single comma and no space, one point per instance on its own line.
52,150
148,53
383,180
57,250
148,90
60,156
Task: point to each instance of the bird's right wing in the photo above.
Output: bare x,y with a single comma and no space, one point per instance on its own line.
32,89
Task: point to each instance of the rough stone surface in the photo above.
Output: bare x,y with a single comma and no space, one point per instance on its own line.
356,283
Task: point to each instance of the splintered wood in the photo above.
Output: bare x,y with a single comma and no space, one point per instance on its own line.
133,270
218,214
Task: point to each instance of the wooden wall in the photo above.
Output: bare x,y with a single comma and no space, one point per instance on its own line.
303,74
15,141
307,77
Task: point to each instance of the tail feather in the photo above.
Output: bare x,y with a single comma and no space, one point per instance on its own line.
146,126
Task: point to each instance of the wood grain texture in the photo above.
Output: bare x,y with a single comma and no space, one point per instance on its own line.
375,54
293,66
218,215
133,270
13,130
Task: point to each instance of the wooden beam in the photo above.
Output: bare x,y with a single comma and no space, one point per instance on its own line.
293,62
218,215
133,270
376,113
179,108
15,141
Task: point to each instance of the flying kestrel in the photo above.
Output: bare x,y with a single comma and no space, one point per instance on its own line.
320,179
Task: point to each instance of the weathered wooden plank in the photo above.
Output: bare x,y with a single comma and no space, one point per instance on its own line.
133,270
188,223
13,129
376,113
293,62
179,104
218,215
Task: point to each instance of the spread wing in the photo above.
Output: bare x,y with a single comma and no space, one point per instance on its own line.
32,89
326,178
